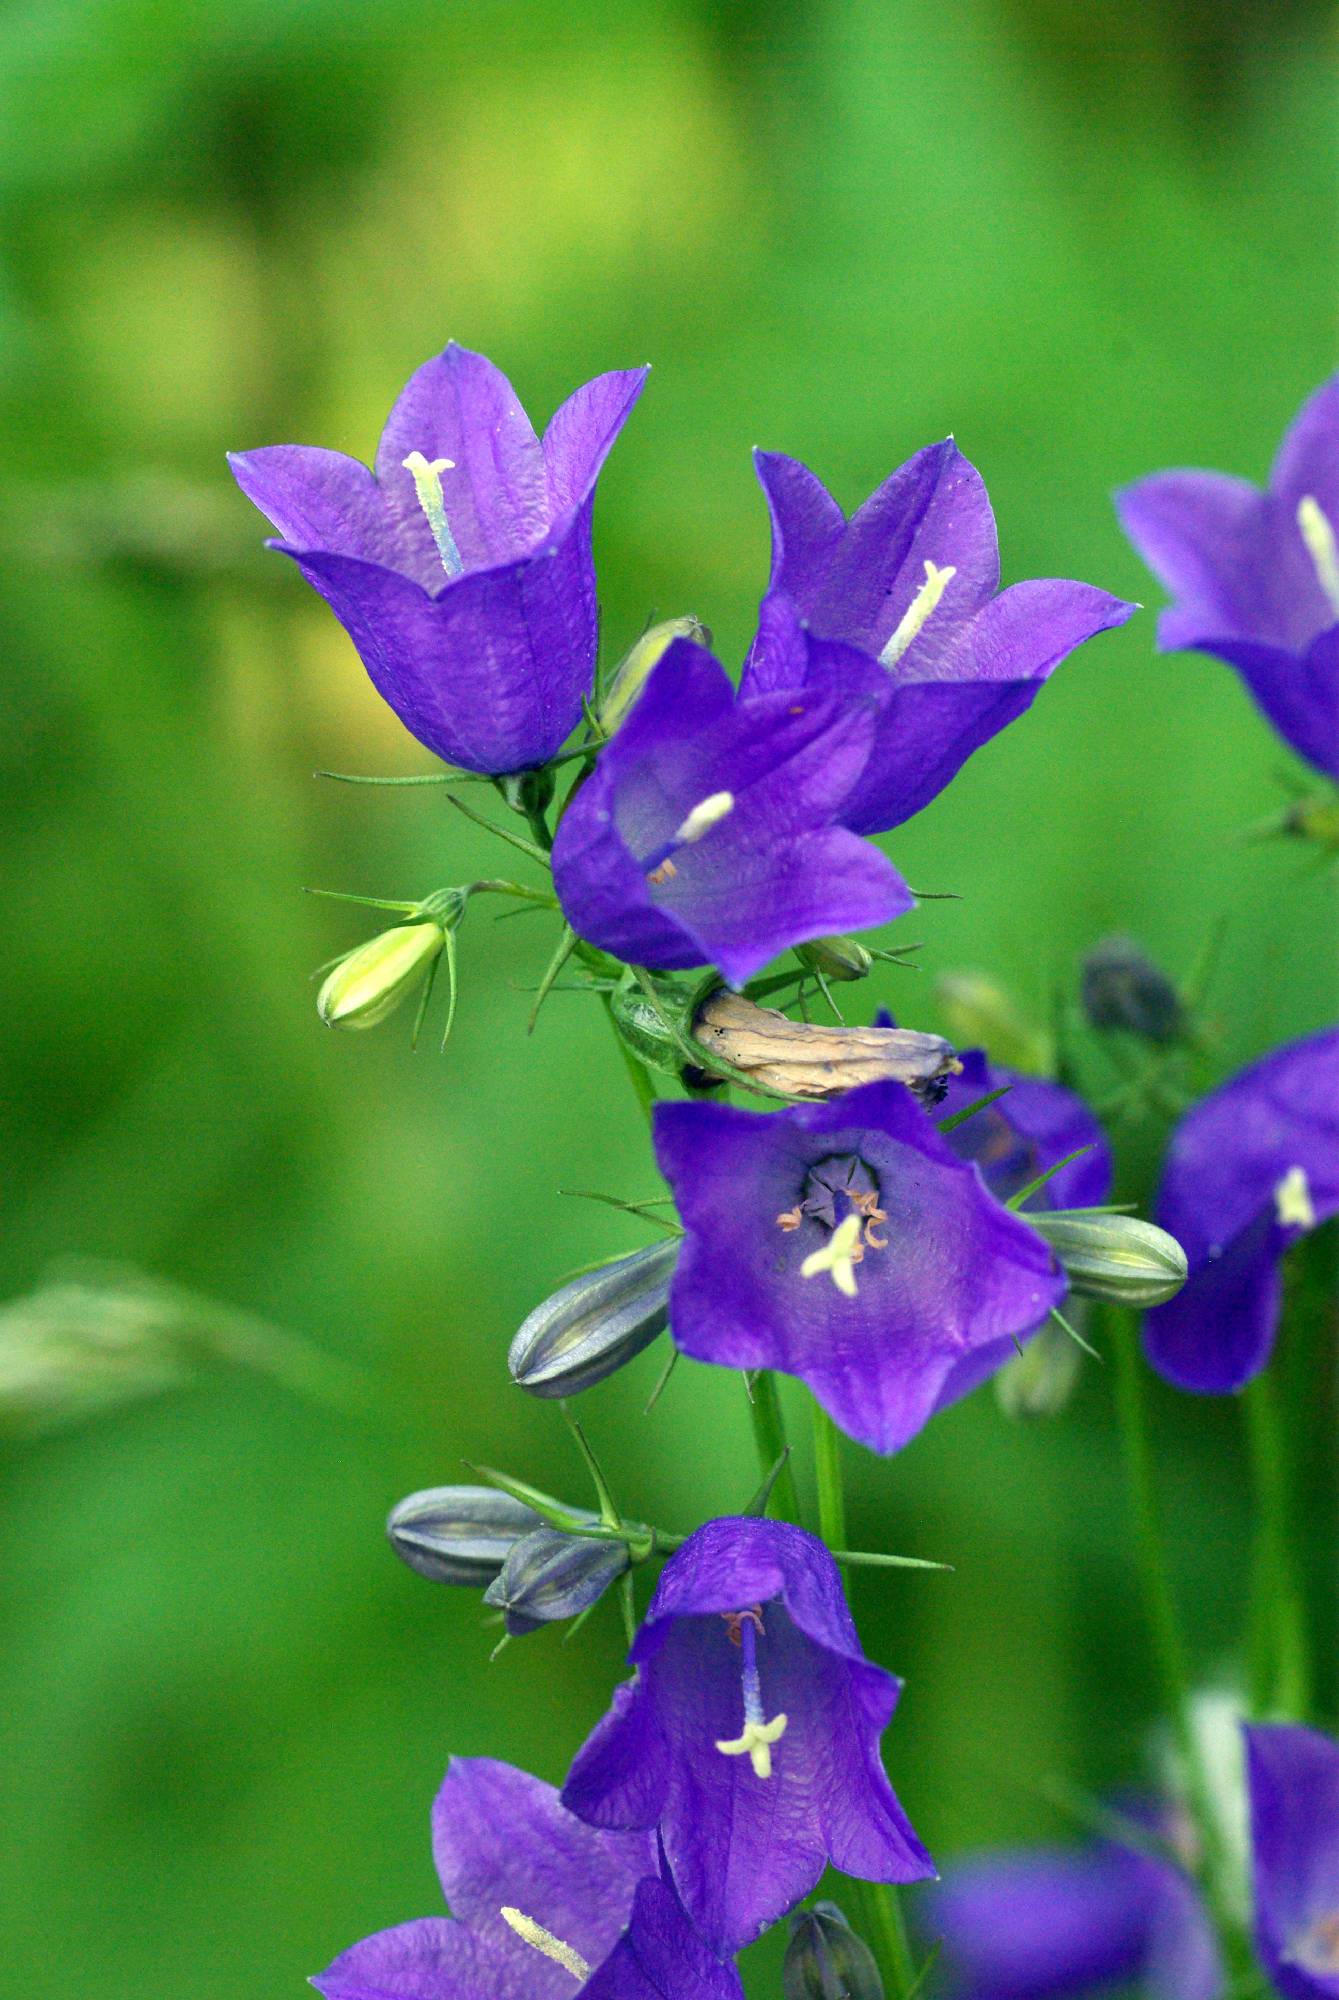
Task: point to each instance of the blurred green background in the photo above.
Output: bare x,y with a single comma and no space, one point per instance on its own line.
1090,242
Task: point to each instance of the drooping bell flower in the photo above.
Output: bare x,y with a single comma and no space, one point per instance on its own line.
907,596
461,566
1292,1777
846,1243
1255,575
1034,1126
1253,1167
1061,1923
707,833
543,1905
750,1735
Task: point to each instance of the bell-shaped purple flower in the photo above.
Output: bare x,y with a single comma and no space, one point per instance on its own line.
1251,1169
1292,1779
1059,1923
1023,1133
909,591
707,833
544,1905
750,1736
461,567
846,1243
1255,575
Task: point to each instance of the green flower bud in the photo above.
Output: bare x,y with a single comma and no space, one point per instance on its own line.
649,1031
548,1576
980,1014
595,1323
1115,1257
637,662
458,1534
836,957
1040,1381
1122,988
373,980
825,1960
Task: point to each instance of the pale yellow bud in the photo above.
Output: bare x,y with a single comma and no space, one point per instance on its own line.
373,980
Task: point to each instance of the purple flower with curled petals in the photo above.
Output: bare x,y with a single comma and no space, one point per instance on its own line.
461,567
1250,1169
846,1243
1052,1922
1292,1778
750,1735
904,601
707,834
1255,575
545,1908
1020,1135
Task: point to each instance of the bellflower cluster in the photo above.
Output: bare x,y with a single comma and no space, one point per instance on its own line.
893,1224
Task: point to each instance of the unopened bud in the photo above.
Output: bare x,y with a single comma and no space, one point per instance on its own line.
825,1960
636,665
548,1575
458,1534
1040,1381
651,1030
836,957
595,1323
1115,1257
1122,988
373,980
980,1014
804,1059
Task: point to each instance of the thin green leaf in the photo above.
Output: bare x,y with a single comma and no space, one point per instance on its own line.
956,1118
868,1559
1016,1201
566,946
516,840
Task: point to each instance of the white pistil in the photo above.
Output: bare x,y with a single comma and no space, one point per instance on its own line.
426,474
922,604
756,1744
706,814
1318,534
838,1256
544,1941
1292,1200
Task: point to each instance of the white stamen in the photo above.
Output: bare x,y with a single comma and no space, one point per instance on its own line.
756,1744
426,474
913,618
544,1941
1292,1200
1318,534
706,814
838,1256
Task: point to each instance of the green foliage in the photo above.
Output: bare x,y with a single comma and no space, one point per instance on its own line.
842,230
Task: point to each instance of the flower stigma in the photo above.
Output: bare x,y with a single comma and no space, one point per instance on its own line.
1318,534
926,599
1292,1200
758,1735
838,1256
426,474
545,1942
840,1194
706,814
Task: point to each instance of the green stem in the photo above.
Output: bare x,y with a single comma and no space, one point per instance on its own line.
769,1434
1165,1633
1280,1653
881,1921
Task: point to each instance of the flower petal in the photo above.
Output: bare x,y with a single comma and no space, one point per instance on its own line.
460,407
1293,1786
661,1957
582,432
807,526
320,500
435,1959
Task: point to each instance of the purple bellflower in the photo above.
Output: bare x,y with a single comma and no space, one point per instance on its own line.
546,1908
461,567
750,1735
1255,575
707,834
846,1243
1053,1922
1250,1169
1022,1134
909,591
1293,1785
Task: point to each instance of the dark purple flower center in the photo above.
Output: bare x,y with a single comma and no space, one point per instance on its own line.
841,1195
